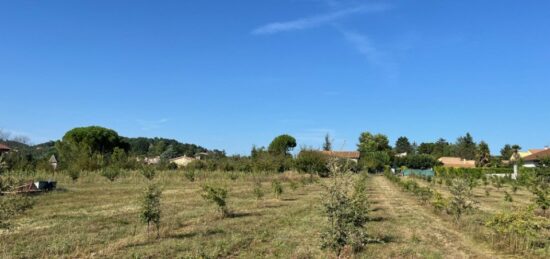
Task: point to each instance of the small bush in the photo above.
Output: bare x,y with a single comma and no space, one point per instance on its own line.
111,173
218,196
189,175
277,188
150,207
148,172
258,192
507,197
74,174
11,207
439,203
461,201
293,185
233,176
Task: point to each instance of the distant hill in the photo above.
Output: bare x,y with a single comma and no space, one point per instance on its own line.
166,148
38,151
141,146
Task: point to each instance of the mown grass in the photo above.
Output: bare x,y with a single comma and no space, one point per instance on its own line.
94,217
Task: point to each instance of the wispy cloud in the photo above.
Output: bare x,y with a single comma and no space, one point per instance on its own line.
151,125
366,47
317,20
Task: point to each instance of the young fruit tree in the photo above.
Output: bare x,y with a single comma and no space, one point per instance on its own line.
346,213
218,196
150,208
277,188
148,172
461,201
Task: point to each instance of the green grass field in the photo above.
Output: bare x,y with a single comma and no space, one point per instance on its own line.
97,218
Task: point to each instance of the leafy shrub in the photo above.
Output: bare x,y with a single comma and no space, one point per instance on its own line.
148,172
313,162
74,174
347,216
150,208
293,185
233,176
461,200
257,191
11,207
519,230
421,161
111,173
439,203
189,175
508,197
542,199
218,196
277,188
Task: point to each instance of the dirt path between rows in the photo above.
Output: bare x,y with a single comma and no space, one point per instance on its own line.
420,225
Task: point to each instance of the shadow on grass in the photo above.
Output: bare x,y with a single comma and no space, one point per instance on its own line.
377,219
209,232
243,214
384,239
377,209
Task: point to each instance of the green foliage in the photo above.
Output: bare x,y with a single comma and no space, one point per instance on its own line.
97,139
11,207
519,230
483,154
277,187
374,162
438,149
258,191
74,174
312,161
189,175
169,147
476,173
438,202
293,185
420,161
347,215
375,152
111,173
119,158
542,198
281,145
461,201
148,172
466,147
218,196
150,207
373,143
327,145
506,152
402,145
508,197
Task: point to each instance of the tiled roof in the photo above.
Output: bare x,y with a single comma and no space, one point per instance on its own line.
4,147
457,162
538,155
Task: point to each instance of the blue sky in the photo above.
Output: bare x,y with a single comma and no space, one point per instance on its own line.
232,74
